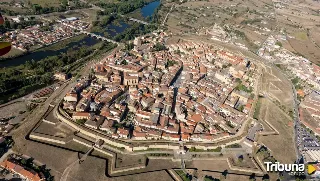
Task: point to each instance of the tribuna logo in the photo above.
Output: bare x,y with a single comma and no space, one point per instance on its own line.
277,166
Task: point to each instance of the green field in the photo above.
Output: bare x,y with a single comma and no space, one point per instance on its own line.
301,35
54,3
183,175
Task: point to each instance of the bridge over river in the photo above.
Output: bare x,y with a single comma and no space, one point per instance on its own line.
135,20
99,37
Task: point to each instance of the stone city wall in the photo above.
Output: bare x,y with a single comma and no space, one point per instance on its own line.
48,138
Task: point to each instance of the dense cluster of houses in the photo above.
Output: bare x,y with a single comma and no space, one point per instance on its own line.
187,92
296,64
311,104
74,23
23,172
35,36
220,34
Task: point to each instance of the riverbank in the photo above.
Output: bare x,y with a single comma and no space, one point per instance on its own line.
50,50
121,29
62,43
16,53
22,74
145,13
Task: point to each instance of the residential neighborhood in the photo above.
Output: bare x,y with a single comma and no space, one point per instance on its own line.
296,65
188,91
181,90
45,34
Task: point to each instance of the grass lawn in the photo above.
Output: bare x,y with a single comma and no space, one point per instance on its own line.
301,35
282,145
183,175
257,110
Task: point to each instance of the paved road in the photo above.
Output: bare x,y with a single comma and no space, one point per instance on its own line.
296,118
6,155
165,19
296,102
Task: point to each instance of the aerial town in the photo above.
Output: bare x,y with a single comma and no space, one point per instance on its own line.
160,90
35,37
190,92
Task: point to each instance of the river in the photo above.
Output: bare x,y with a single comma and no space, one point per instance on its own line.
116,26
41,54
111,30
148,10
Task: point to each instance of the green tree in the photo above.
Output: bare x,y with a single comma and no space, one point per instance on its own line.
64,2
24,162
252,177
159,47
7,24
279,43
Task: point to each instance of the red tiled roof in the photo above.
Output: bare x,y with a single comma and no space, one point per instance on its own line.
123,131
139,134
196,118
81,114
31,175
185,136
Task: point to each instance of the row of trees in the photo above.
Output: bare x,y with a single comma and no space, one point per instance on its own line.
28,163
38,9
104,21
111,11
11,25
52,62
8,12
159,47
34,9
122,7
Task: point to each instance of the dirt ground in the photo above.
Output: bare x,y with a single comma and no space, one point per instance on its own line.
230,177
12,109
205,166
13,52
276,86
193,17
60,130
282,145
306,48
306,117
123,161
96,168
314,33
216,165
245,163
301,22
